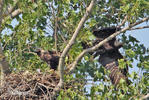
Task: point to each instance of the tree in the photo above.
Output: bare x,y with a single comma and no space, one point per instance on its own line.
62,25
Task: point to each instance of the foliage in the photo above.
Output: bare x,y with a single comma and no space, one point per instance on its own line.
36,25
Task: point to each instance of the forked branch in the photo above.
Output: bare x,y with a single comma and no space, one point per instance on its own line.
69,45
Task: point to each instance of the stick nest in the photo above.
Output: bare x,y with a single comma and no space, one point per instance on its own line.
25,85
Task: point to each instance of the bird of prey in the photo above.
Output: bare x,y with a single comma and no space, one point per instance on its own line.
109,54
50,57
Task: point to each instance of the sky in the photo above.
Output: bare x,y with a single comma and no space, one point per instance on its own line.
142,34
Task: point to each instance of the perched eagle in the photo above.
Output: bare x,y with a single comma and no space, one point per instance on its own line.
50,57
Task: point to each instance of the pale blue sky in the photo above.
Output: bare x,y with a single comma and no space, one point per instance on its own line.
141,34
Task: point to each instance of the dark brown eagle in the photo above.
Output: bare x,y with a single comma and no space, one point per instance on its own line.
109,54
50,57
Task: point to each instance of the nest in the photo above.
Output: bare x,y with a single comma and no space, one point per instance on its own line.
28,86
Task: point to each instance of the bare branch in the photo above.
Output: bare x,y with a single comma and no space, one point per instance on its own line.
16,12
61,32
139,28
55,34
63,38
123,22
102,42
12,11
55,18
69,45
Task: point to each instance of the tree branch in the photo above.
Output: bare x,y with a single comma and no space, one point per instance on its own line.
55,34
15,13
56,29
1,11
4,67
3,63
69,45
139,28
73,65
144,97
55,18
12,11
123,22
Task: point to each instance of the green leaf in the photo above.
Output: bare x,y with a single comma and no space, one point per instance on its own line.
130,53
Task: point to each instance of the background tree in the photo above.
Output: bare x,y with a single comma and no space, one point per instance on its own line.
53,25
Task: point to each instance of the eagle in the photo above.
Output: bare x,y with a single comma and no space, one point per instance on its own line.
50,57
109,54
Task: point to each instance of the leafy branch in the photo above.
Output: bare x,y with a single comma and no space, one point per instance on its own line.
73,65
69,45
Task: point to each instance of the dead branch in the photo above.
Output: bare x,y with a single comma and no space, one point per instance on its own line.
73,65
68,46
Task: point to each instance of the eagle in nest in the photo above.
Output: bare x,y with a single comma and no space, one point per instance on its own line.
50,57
